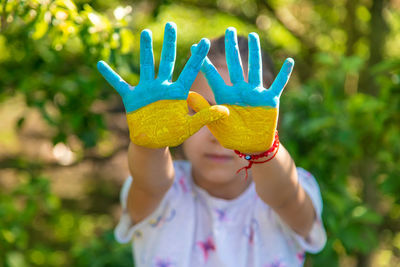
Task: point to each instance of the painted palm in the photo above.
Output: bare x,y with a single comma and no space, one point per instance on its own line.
156,108
253,110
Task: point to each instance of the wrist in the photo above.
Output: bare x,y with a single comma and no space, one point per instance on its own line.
139,149
262,157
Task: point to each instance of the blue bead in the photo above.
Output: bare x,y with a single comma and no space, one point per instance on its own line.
247,157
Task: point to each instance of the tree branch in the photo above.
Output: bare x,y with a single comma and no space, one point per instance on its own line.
252,20
303,40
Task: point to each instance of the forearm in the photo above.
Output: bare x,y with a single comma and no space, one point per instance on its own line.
151,169
278,186
153,174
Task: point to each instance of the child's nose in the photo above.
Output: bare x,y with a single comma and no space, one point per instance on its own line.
210,136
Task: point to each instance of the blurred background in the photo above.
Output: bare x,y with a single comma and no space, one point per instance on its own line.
63,135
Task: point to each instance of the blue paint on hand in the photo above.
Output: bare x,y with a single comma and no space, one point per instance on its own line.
242,93
150,88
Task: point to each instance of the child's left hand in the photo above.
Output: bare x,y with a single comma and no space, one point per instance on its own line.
253,110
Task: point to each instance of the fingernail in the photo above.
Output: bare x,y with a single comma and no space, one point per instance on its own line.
204,46
171,24
289,63
230,30
254,36
193,48
146,35
101,65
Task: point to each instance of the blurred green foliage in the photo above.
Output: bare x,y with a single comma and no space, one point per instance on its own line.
349,141
340,114
36,230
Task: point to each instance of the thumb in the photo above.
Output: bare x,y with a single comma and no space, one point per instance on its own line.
207,115
196,101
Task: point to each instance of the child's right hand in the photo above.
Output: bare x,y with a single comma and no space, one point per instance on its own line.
156,108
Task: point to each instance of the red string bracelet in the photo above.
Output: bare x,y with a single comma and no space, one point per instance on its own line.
273,149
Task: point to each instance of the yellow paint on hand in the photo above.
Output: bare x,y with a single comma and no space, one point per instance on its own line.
247,129
167,123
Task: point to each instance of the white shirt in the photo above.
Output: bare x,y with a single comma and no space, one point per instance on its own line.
192,228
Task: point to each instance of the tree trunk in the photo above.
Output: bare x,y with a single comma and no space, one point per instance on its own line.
376,40
350,25
366,169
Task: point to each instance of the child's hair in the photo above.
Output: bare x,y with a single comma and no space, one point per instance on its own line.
217,57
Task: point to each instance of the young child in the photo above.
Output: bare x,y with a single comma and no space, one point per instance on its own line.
202,212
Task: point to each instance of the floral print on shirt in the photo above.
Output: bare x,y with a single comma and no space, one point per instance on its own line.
161,219
251,229
163,263
206,247
276,263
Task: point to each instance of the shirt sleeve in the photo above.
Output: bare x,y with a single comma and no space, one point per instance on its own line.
316,239
126,230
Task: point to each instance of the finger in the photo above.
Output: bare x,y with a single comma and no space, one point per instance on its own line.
233,56
192,67
255,66
113,78
214,79
283,77
168,53
146,56
206,116
197,101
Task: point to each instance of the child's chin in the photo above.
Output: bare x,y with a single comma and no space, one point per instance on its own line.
221,176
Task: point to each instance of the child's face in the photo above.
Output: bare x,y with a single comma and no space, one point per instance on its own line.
212,164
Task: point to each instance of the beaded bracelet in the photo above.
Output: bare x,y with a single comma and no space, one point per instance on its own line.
273,149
